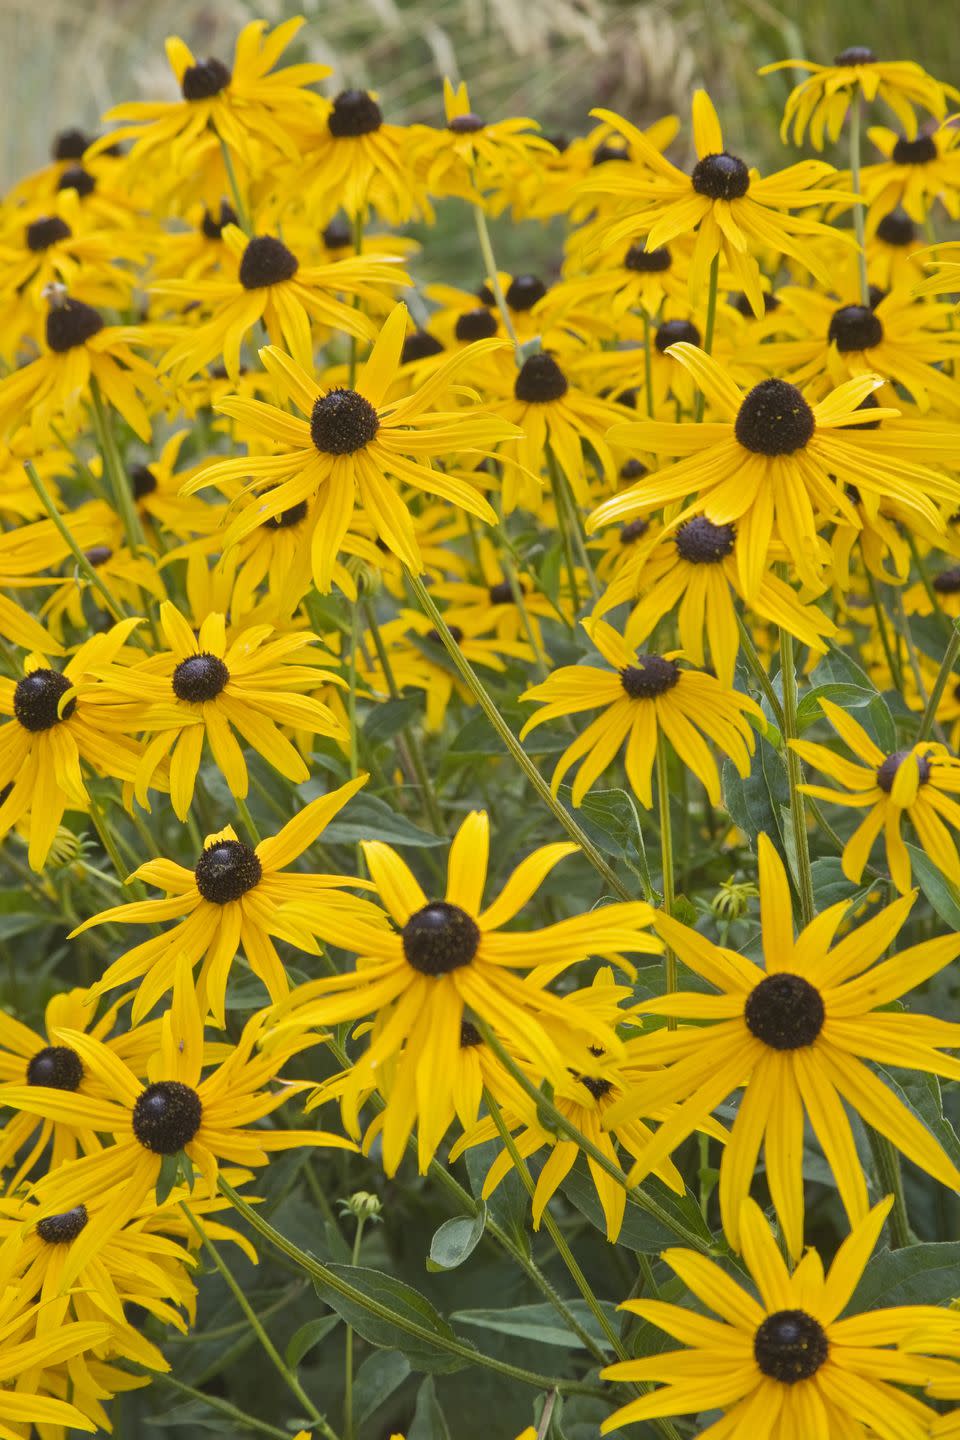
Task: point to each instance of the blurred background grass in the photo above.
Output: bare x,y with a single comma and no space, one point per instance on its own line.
63,62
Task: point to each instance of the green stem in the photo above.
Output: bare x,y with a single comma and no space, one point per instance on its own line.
943,674
516,590
893,662
510,741
242,214
223,1407
927,583
859,216
756,668
666,862
711,323
648,363
561,484
248,820
114,470
563,524
348,1433
411,738
564,1126
334,1281
890,1180
83,564
791,731
490,264
357,248
285,1373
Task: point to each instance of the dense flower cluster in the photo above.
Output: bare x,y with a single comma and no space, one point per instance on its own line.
293,543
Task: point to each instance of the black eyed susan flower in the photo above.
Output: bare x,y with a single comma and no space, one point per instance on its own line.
693,570
79,348
249,106
944,265
818,105
471,156
272,285
202,689
735,213
773,464
229,902
916,784
489,597
155,483
354,446
27,1360
351,158
447,956
52,729
786,1364
914,174
208,1120
642,696
895,253
34,1058
909,343
794,1034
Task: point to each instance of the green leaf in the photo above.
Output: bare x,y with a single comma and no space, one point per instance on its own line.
848,697
376,1380
611,820
477,738
304,1339
168,1177
404,1301
839,668
369,818
456,1240
919,1275
941,892
389,718
542,1323
508,1206
641,1232
754,803
429,1422
922,1096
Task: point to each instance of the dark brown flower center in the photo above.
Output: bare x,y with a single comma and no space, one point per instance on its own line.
897,229
47,231
203,81
213,227
72,324
56,1067
524,291
856,55
166,1116
98,555
606,151
540,380
887,771
266,261
634,531
354,113
226,871
479,324
790,1346
343,422
37,697
854,327
469,1035
76,178
703,543
651,676
721,177
61,1229
419,345
440,938
143,482
287,518
70,144
672,331
915,152
784,1011
774,419
647,262
467,124
200,677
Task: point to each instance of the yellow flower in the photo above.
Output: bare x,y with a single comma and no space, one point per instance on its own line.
446,955
642,696
794,1035
786,1364
27,1363
820,103
53,727
272,286
914,174
178,1113
471,156
733,211
917,784
776,466
352,445
204,688
228,902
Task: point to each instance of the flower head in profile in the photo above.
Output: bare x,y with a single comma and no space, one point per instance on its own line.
52,728
794,1034
180,1112
914,174
918,784
202,689
818,105
786,1363
354,447
471,155
249,106
228,903
736,214
642,696
776,466
447,959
